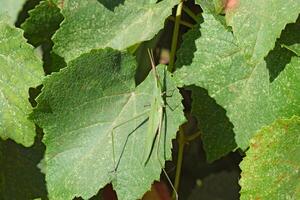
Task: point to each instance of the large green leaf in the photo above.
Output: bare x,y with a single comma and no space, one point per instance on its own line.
20,69
79,109
242,89
257,25
89,25
11,8
42,23
20,177
271,167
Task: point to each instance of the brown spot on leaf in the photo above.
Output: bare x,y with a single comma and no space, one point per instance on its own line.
254,145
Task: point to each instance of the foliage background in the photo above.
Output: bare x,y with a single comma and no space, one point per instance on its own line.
207,172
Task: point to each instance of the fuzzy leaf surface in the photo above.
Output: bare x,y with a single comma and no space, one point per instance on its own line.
20,69
80,106
271,167
257,25
242,89
90,25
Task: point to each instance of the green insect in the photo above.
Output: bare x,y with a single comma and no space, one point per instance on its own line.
155,114
155,118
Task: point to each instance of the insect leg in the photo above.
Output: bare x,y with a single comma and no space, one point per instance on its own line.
116,164
158,157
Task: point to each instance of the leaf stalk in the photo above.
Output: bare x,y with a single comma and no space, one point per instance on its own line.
190,13
175,36
182,141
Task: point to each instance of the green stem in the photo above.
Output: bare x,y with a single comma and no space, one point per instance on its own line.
192,137
182,140
181,143
187,24
190,13
175,36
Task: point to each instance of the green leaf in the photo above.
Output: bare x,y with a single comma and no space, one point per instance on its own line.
219,66
242,89
19,176
208,5
11,8
81,106
271,167
20,69
217,131
89,25
257,25
42,23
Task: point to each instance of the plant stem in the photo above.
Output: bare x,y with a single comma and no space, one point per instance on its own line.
175,36
192,137
182,140
189,25
181,143
190,13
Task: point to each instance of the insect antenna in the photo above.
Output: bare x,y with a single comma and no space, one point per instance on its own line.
151,56
161,163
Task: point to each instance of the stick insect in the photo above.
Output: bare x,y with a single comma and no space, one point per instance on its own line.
155,118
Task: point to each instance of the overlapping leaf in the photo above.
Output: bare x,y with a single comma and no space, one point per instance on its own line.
89,25
11,8
44,20
272,164
257,25
20,69
82,106
241,88
42,23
